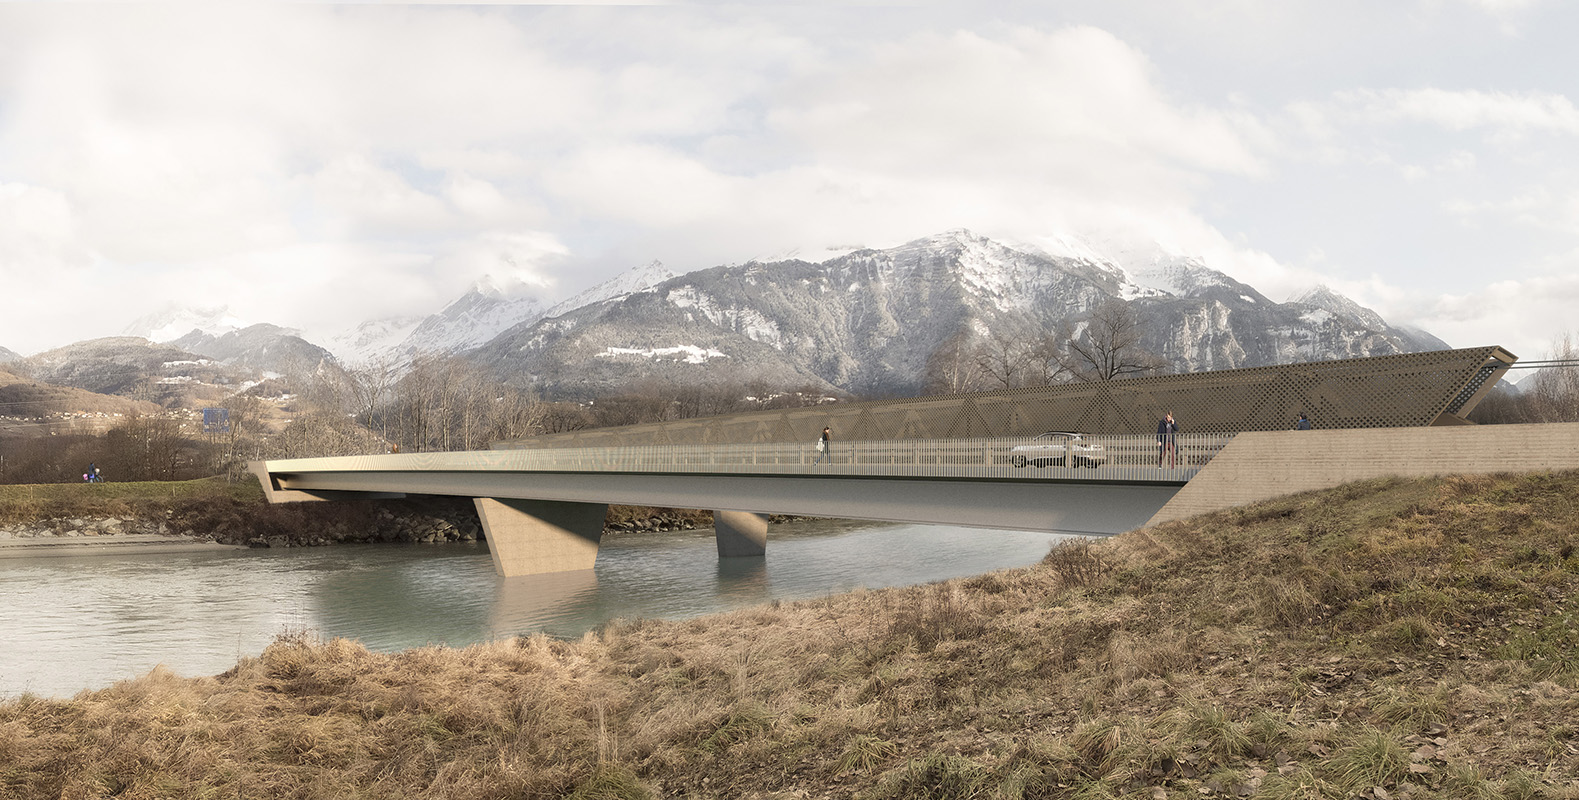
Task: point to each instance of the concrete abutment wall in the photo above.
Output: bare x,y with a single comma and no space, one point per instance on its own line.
1262,465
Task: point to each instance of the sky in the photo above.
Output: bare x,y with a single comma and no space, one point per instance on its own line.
318,165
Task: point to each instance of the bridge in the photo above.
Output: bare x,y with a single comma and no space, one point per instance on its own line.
542,510
939,460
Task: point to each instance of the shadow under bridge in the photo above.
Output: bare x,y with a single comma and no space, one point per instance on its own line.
543,510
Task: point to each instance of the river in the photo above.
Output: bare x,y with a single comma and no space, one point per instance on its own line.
83,622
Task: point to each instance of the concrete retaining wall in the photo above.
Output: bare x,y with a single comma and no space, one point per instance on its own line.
1262,465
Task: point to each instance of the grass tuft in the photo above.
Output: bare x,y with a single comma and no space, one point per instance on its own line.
1374,758
865,754
1219,733
935,777
611,782
744,722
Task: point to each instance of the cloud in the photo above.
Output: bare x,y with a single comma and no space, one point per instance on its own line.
1541,208
385,156
527,257
1500,113
43,266
1522,314
37,232
1071,104
355,198
1508,13
1017,133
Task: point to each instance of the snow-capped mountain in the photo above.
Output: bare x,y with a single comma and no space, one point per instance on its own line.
637,279
372,340
263,347
487,309
1326,303
7,356
869,321
172,323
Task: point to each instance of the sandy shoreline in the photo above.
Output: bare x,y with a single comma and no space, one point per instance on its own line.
136,544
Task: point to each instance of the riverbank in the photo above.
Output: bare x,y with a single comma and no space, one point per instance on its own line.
1381,640
119,544
96,517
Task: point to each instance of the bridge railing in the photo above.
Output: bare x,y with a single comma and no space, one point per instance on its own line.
1106,458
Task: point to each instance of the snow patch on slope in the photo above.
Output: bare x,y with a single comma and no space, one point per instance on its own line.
748,322
688,353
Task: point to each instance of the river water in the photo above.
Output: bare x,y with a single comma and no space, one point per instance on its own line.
84,622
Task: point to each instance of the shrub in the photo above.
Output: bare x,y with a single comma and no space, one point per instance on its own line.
1077,563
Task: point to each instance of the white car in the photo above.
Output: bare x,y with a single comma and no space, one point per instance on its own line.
1056,449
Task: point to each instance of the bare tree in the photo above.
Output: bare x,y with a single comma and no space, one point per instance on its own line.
242,439
644,401
323,432
370,387
1106,346
516,414
707,400
448,403
1554,393
1009,356
952,367
148,448
563,417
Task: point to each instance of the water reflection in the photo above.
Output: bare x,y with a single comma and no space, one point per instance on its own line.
743,581
542,602
79,622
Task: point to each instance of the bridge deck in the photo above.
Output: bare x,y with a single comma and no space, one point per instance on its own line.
984,483
1103,459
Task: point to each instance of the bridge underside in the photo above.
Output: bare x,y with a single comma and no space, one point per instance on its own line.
541,522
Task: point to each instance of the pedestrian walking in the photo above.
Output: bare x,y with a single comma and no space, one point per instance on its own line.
824,447
1167,445
1302,424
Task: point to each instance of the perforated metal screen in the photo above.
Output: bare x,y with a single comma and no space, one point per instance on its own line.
1408,390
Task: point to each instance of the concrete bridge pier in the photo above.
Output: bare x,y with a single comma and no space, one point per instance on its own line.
533,537
740,534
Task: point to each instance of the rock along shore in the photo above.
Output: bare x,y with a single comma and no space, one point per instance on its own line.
418,520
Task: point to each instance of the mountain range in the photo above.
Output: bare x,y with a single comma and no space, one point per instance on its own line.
865,321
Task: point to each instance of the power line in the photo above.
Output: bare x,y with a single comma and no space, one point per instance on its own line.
1549,363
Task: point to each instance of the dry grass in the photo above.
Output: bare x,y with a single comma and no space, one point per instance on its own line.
1385,639
28,502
